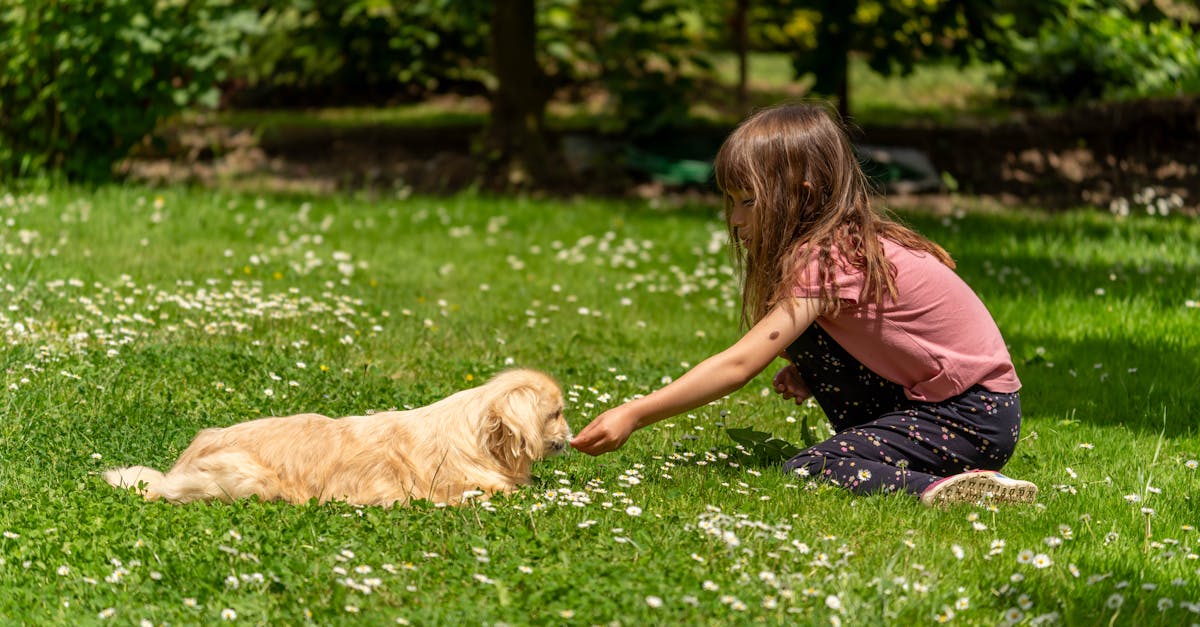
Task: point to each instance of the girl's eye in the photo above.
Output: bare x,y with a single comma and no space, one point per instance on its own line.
749,202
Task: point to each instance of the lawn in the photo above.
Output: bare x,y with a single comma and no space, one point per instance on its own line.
934,93
134,317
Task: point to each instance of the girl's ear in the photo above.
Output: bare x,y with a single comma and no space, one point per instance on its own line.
809,186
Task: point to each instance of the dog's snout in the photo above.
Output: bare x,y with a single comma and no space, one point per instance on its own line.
557,447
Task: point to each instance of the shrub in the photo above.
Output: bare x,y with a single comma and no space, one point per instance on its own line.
1096,51
339,52
81,81
647,56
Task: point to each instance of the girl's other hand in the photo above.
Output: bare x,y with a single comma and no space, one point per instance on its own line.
606,433
790,384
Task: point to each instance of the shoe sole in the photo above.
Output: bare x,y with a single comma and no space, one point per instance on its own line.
984,488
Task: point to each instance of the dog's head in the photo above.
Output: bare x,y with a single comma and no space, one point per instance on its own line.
524,418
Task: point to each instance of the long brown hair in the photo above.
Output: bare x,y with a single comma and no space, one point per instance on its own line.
810,197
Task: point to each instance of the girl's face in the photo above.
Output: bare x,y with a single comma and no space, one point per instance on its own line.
741,211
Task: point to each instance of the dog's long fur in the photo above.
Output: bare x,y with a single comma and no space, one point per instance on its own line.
484,438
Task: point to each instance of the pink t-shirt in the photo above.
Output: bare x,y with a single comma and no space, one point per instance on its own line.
936,338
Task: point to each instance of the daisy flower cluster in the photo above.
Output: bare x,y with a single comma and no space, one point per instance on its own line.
1150,200
138,566
706,277
70,315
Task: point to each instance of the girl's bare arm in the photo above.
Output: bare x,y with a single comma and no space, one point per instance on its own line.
711,379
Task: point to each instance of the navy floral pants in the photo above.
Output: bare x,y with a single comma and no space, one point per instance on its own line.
885,442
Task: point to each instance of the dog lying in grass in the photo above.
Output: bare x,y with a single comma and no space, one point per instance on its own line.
484,438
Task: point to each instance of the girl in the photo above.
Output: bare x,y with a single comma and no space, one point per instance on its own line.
898,351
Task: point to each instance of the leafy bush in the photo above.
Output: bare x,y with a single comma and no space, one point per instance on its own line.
81,81
645,55
1099,51
360,52
338,52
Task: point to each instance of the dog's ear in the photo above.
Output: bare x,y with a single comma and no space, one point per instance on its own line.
511,425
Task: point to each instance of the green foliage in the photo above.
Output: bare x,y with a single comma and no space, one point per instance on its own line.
645,55
764,447
1052,52
893,36
361,51
82,81
1095,50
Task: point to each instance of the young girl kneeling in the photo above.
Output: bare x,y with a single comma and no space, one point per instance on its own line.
901,355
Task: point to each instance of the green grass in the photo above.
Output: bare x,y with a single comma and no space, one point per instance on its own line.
447,113
933,93
134,317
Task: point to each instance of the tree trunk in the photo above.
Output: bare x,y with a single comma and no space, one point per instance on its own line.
833,52
741,38
515,134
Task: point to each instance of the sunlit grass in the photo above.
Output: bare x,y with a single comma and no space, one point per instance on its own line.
448,112
933,93
134,317
940,93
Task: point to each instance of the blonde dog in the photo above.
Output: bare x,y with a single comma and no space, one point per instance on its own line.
484,438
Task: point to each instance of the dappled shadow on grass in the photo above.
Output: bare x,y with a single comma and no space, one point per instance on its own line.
1146,386
980,227
1115,341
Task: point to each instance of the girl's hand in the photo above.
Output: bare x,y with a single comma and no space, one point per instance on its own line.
791,385
606,433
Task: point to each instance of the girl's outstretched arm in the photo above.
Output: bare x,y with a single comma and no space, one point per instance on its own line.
711,379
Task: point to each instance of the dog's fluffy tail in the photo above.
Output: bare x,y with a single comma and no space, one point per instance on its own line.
142,479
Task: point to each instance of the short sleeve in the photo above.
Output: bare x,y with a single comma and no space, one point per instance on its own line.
846,281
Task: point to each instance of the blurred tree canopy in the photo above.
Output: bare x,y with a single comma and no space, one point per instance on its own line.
349,52
82,81
77,74
1091,50
893,36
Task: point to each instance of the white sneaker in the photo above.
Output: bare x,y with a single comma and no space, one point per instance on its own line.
976,486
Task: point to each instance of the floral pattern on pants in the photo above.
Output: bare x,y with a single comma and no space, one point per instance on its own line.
883,441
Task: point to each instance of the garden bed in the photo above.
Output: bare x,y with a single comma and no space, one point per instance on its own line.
1095,155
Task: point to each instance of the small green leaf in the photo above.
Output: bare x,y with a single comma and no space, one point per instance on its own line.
763,445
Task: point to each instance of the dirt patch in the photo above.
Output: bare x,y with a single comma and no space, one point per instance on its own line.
1093,155
316,161
1096,155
